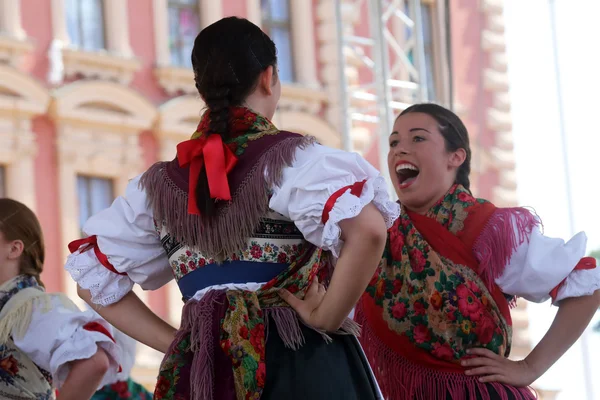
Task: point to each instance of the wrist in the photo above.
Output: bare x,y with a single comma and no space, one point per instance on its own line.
534,366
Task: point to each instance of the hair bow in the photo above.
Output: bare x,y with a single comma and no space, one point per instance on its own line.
211,153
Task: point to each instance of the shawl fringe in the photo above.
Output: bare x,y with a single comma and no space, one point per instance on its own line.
504,232
228,231
399,378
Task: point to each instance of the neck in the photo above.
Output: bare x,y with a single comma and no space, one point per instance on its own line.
422,209
258,106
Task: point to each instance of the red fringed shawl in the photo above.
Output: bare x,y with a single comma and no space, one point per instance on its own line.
434,296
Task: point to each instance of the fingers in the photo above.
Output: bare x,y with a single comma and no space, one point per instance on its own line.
289,298
478,351
478,361
488,370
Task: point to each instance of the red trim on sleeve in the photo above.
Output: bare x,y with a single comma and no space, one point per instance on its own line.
355,189
92,242
584,263
98,327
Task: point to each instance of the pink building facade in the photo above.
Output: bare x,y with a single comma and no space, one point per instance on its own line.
92,92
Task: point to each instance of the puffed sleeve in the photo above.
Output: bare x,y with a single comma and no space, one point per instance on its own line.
542,268
324,186
122,248
60,333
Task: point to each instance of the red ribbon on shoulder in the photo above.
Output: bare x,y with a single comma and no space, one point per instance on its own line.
91,242
211,153
584,263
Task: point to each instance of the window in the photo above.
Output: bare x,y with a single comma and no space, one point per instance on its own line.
85,23
94,195
184,25
2,182
276,23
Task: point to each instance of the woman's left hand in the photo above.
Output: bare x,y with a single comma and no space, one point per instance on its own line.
495,368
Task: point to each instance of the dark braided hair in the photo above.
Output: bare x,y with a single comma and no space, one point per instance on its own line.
454,132
227,59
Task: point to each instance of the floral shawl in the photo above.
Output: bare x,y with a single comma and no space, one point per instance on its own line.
434,295
20,378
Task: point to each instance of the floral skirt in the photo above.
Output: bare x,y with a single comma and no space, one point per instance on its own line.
123,390
317,370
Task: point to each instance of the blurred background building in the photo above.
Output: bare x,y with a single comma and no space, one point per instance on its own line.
92,92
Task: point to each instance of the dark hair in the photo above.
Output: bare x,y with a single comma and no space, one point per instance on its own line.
227,58
18,222
454,132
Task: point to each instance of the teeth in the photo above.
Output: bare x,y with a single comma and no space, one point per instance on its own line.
400,167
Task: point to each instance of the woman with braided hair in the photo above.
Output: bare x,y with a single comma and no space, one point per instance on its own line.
247,218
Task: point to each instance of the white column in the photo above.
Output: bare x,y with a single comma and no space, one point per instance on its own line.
253,12
59,24
10,19
210,11
161,33
303,42
69,208
20,172
117,27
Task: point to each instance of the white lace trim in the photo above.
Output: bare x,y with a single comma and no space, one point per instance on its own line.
579,283
349,206
83,345
105,286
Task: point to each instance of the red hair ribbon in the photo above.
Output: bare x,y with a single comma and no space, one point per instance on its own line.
211,153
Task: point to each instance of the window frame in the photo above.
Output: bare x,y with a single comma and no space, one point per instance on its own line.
80,23
268,22
179,5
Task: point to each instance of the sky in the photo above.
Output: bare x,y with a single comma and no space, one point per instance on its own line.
541,178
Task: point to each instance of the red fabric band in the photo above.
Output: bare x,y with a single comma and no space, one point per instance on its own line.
98,327
584,263
92,242
211,153
355,189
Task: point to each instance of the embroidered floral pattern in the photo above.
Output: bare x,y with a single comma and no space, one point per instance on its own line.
442,307
242,121
171,369
122,390
18,374
243,328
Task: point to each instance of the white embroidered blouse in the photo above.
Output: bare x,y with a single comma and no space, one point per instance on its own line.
126,234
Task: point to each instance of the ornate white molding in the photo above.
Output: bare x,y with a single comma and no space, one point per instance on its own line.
98,126
99,65
116,63
21,98
308,124
302,98
177,121
105,104
176,80
12,50
13,39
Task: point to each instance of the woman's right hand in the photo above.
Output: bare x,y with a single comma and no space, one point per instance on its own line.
307,308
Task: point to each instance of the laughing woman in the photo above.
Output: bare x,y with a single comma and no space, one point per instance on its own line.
436,316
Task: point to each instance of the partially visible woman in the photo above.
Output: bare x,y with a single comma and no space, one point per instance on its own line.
436,319
245,214
46,342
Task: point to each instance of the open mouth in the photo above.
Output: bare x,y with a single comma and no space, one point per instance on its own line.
407,174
